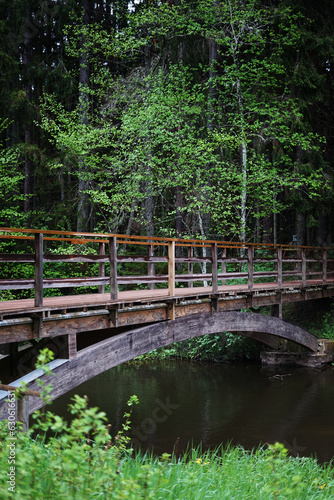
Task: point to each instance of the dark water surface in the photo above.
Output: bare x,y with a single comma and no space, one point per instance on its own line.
212,404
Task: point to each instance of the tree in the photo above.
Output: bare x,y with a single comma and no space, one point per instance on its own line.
182,117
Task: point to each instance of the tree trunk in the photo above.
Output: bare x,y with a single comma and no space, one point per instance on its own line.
28,168
83,205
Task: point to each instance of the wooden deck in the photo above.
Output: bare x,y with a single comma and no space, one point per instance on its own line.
145,297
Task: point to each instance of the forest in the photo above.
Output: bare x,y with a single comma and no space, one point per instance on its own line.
202,118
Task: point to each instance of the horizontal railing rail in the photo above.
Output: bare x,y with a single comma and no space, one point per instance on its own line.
168,262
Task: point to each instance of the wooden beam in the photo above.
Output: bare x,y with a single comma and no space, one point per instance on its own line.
190,264
102,266
279,267
150,265
113,268
223,271
214,268
303,266
250,268
20,390
38,269
171,268
324,266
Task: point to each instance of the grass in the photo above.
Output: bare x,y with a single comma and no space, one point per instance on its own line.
80,471
79,460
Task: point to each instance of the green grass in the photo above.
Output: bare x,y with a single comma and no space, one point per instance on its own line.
49,471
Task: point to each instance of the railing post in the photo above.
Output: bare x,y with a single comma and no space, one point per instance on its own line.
23,412
214,267
171,268
224,265
279,267
190,265
113,267
250,267
303,266
102,266
150,266
38,269
324,265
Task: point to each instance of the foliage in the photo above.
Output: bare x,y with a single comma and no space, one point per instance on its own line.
325,330
162,142
82,470
10,182
219,347
172,118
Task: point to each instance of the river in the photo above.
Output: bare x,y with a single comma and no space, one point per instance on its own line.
187,404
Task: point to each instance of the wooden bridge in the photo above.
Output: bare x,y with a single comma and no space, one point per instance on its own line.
140,293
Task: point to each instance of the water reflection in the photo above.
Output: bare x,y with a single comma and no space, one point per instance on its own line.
210,404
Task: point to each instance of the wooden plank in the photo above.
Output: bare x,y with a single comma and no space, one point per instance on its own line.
102,267
19,258
150,265
145,239
76,258
17,284
145,259
324,266
303,266
75,282
279,267
171,268
214,267
223,261
38,269
192,259
113,268
12,388
190,252
250,268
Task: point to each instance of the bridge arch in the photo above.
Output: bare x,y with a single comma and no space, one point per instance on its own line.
95,359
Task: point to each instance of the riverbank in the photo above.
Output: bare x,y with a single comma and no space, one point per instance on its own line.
76,470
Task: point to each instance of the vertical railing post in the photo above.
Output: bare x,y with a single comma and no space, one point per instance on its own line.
38,269
324,265
303,266
150,266
23,412
250,267
224,265
279,267
190,265
113,268
102,266
214,267
171,268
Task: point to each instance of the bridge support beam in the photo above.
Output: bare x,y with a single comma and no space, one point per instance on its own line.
276,311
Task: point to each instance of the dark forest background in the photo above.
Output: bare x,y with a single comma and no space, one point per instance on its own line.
207,118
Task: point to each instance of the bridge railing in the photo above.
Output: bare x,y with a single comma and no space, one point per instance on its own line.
112,262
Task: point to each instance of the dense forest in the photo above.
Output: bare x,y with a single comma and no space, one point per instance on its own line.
206,118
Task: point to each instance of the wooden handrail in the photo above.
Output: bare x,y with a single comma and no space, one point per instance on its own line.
130,239
302,264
